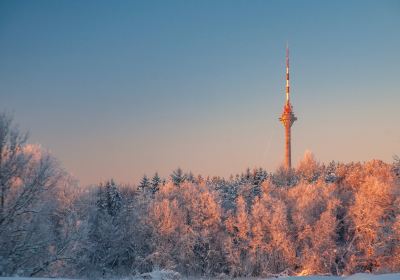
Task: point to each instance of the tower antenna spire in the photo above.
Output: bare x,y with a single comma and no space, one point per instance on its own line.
287,74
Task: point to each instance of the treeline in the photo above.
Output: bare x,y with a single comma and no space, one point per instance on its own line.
314,219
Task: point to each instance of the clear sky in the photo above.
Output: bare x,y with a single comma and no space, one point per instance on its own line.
123,88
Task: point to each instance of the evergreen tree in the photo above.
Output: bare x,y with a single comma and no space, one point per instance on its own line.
247,176
100,253
114,199
330,172
260,176
396,166
155,183
109,199
145,183
178,177
190,177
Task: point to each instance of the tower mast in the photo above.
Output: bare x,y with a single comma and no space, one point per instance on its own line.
287,75
287,118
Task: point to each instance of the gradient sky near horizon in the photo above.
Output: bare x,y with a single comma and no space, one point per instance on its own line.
118,89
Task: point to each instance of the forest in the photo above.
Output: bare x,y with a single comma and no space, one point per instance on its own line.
316,219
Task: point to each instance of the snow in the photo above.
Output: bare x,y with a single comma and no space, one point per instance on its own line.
162,274
29,278
364,276
358,276
170,275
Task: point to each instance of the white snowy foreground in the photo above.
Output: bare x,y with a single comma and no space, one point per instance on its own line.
160,276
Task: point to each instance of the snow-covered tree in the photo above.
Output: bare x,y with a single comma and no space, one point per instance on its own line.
308,168
108,198
155,183
371,216
260,176
178,176
238,240
28,179
145,184
189,217
284,177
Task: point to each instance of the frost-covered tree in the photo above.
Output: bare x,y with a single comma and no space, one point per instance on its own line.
371,218
103,230
178,176
396,166
186,222
238,240
330,172
308,168
28,180
190,177
284,177
260,175
155,183
272,247
229,191
145,184
116,235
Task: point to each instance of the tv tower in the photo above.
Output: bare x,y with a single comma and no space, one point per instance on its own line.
288,117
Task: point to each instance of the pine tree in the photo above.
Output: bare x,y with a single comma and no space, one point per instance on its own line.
145,183
260,176
247,176
190,177
178,177
114,199
105,232
155,183
330,172
109,198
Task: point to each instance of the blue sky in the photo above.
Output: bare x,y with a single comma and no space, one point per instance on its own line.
123,88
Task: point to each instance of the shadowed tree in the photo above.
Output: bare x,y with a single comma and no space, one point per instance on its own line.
145,183
28,177
155,183
178,176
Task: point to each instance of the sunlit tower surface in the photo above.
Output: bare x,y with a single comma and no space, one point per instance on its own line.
288,117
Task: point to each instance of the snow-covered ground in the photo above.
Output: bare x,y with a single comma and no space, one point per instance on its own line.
359,276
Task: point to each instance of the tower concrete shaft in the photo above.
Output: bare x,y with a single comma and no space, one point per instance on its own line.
288,118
